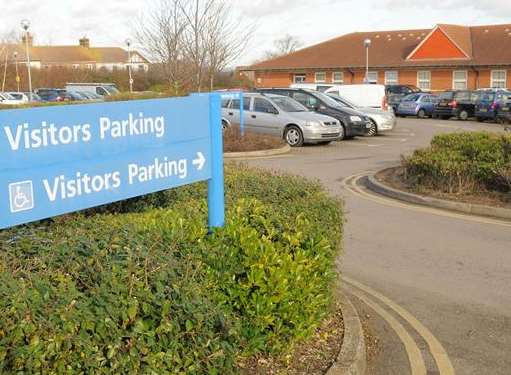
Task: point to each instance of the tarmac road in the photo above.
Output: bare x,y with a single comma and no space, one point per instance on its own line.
435,286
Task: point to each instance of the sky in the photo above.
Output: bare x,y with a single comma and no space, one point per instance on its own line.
111,22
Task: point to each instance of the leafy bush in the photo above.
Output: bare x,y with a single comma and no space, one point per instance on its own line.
149,291
461,163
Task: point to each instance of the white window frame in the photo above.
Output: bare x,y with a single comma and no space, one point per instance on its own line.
422,83
341,80
316,80
301,75
502,81
464,81
371,72
391,81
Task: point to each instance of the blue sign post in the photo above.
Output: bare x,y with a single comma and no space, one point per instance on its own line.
57,160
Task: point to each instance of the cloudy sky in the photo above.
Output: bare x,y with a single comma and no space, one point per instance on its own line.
110,22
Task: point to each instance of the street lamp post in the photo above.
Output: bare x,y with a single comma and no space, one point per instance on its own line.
17,72
128,43
367,44
25,24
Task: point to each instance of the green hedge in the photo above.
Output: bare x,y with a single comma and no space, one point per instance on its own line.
140,287
462,163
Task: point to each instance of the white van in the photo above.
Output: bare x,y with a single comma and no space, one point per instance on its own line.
103,89
369,96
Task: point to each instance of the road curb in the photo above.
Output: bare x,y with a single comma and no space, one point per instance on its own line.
467,208
257,154
352,357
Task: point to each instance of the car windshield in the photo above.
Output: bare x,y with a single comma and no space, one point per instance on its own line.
287,104
411,98
327,100
343,101
446,95
111,90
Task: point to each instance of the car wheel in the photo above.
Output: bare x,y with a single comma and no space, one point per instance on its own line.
463,115
421,113
342,133
294,136
373,130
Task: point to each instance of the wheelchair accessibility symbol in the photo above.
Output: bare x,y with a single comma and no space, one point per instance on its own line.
21,196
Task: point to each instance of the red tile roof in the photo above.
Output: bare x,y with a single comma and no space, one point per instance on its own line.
484,45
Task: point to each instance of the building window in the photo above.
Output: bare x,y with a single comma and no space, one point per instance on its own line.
424,80
372,77
320,77
391,78
498,79
459,80
300,78
338,77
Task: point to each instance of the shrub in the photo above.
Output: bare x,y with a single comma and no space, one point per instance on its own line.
139,287
461,163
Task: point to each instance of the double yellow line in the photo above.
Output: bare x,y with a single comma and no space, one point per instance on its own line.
415,357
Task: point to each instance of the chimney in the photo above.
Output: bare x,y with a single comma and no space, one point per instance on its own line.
30,39
85,42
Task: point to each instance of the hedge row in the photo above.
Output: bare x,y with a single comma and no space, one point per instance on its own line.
140,286
467,162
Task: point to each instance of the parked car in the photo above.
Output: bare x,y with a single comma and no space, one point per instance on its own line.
282,117
24,96
396,93
321,87
364,96
103,89
460,104
383,121
488,104
50,95
353,123
91,96
6,99
420,105
504,110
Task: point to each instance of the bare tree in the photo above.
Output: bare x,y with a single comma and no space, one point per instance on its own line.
226,39
284,46
161,35
193,38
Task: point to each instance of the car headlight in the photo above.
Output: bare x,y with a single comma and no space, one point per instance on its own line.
355,118
312,123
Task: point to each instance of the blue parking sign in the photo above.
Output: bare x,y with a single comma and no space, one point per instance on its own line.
57,160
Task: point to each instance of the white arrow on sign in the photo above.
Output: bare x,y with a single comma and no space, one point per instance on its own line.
200,161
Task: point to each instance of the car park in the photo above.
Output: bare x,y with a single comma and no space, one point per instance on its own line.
420,105
282,117
488,104
383,121
396,93
459,104
353,123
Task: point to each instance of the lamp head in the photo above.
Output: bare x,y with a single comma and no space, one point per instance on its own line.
25,24
367,43
128,42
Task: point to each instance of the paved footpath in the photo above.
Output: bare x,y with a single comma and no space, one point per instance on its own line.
435,287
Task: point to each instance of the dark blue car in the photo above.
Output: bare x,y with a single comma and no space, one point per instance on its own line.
420,105
489,103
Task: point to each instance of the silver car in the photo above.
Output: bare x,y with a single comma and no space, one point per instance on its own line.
282,117
383,121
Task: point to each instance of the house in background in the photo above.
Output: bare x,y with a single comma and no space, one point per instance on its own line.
81,56
445,57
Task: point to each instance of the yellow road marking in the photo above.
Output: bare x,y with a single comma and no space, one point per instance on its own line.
438,352
413,352
351,184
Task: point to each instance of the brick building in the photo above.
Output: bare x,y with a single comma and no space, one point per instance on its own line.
442,58
80,56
